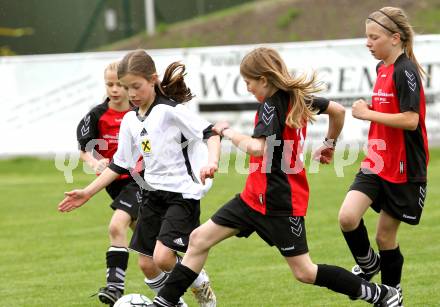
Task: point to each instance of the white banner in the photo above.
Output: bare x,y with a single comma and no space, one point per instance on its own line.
44,97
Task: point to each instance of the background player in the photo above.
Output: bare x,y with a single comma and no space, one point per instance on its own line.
97,135
392,179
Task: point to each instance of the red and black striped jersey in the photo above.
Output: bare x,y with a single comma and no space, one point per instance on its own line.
394,154
277,183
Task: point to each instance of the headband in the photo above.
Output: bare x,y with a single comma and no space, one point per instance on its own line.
389,17
380,24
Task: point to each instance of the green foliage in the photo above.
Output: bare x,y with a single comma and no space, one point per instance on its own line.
54,259
285,19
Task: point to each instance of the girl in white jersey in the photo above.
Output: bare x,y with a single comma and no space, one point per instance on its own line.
169,137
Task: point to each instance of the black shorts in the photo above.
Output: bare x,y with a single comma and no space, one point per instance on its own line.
403,201
126,195
167,217
287,233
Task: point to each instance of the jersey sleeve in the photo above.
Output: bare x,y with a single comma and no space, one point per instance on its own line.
407,83
128,153
319,104
87,130
191,124
268,120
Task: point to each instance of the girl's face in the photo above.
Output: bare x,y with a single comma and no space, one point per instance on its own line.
380,42
140,90
260,88
114,90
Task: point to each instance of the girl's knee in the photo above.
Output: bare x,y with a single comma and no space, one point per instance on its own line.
347,221
115,231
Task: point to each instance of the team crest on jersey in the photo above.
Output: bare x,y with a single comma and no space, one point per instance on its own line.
146,146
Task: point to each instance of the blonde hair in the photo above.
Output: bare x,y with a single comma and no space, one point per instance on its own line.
112,67
172,86
395,20
266,62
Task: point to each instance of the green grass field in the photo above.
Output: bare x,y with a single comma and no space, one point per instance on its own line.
54,259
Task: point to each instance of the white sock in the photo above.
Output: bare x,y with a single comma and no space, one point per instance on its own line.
202,278
156,283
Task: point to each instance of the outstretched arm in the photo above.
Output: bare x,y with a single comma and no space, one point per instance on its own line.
76,198
246,143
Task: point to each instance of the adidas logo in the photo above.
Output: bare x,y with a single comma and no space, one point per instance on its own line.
179,241
144,132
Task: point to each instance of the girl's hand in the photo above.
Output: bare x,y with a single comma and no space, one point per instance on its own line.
74,199
219,127
323,154
360,109
208,171
101,165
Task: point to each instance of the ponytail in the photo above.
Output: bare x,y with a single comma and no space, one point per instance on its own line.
173,84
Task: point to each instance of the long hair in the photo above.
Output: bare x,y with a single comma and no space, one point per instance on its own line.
266,62
141,64
395,20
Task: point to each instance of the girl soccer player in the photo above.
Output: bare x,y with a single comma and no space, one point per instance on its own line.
392,179
97,135
275,198
169,138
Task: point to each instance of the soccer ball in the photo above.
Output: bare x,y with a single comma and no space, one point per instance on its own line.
133,299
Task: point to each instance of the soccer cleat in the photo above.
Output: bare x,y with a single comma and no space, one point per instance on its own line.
181,303
205,295
391,299
109,295
356,270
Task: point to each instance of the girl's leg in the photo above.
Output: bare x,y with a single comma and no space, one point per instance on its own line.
340,280
184,274
391,257
116,257
355,233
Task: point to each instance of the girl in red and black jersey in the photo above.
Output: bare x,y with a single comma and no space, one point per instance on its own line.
392,179
274,201
97,135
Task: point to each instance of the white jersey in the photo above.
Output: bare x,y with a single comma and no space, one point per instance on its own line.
170,140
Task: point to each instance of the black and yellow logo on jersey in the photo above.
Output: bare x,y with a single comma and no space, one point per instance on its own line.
146,146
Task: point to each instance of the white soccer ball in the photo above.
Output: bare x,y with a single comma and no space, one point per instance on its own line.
133,299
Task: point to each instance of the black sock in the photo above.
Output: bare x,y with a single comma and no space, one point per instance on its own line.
359,245
117,261
177,283
338,280
391,266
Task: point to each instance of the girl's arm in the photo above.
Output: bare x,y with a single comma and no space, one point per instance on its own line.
97,165
407,120
336,116
246,143
208,171
76,198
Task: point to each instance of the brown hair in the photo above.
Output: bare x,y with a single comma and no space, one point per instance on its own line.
395,20
266,62
172,86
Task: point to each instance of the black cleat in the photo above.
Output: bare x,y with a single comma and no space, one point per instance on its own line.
109,295
391,299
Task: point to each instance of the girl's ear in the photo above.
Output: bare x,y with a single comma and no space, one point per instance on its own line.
154,78
264,82
396,39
